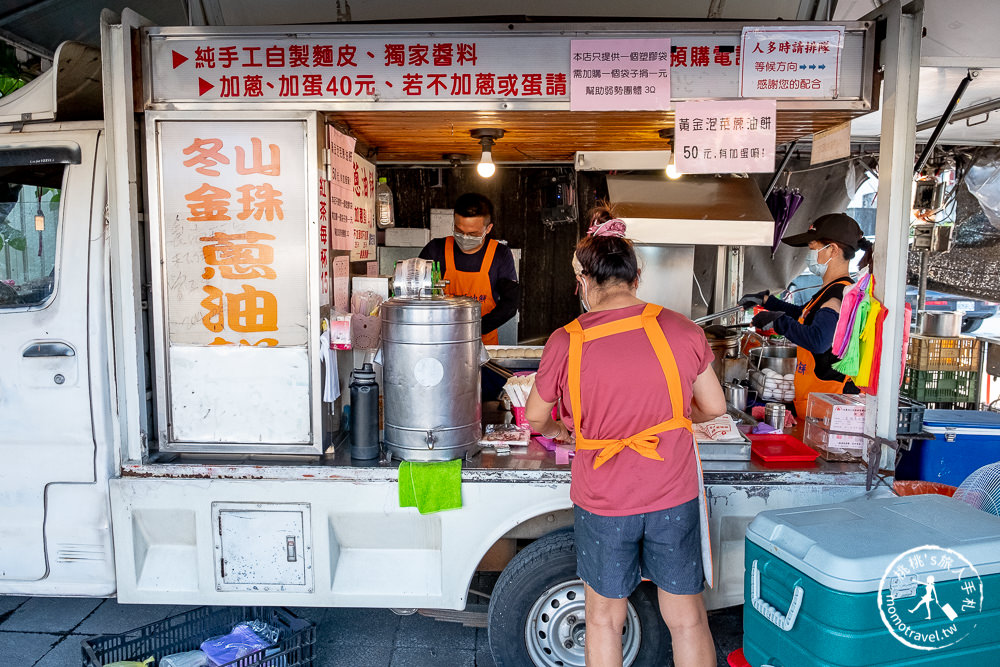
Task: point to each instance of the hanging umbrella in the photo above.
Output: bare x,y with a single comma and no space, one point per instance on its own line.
786,203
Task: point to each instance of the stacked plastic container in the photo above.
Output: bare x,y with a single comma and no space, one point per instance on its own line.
942,370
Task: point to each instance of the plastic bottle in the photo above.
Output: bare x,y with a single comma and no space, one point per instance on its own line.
385,213
364,414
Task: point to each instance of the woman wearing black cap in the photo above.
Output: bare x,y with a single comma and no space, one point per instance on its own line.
833,240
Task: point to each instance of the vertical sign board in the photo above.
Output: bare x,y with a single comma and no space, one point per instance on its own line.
728,137
341,188
791,62
324,239
234,246
619,74
364,210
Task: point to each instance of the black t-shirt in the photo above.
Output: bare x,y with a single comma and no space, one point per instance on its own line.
503,277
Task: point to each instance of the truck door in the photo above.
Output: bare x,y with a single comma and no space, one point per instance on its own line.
46,427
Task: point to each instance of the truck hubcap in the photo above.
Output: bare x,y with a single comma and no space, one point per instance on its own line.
556,629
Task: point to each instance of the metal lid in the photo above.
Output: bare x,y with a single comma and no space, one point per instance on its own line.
435,309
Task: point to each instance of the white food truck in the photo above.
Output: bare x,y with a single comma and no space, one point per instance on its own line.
163,436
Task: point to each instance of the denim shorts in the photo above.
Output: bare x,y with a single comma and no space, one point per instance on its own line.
614,553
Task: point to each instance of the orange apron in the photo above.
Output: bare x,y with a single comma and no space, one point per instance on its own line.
644,442
475,285
806,381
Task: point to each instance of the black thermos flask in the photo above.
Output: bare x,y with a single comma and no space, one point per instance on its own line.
364,413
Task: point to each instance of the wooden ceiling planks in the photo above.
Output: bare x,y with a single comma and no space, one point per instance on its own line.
537,136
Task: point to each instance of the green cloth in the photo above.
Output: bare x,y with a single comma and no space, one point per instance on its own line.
431,487
850,365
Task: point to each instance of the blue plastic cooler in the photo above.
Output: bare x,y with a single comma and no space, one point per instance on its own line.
816,589
964,441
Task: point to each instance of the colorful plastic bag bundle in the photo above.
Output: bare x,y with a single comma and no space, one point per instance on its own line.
858,340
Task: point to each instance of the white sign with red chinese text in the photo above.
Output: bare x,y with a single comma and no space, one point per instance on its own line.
728,137
324,239
619,75
364,210
791,62
343,67
235,221
341,159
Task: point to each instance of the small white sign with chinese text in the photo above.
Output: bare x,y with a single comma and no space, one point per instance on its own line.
724,137
619,74
791,62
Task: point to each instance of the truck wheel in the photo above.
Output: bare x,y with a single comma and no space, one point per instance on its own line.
970,324
537,617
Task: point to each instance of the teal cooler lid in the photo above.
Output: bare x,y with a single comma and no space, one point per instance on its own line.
848,546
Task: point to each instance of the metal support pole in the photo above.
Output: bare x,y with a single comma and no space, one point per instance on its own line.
901,58
922,290
945,119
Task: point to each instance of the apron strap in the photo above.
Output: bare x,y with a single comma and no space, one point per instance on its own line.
645,442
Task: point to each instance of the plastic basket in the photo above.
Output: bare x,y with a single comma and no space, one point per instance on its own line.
911,417
927,353
913,487
940,386
186,632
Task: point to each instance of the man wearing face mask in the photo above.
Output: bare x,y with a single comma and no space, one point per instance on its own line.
833,240
482,269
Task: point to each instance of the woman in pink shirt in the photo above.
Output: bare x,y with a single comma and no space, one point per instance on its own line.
630,377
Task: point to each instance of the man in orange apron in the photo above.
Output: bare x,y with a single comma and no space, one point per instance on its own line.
482,269
833,241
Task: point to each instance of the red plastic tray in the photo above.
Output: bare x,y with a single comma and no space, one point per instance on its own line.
782,450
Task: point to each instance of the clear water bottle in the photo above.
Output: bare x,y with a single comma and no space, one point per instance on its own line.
364,414
385,214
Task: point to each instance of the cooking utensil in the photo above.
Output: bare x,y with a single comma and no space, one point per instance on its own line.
721,313
941,323
738,395
779,358
774,415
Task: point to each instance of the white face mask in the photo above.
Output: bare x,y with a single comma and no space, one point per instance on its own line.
467,242
813,264
584,301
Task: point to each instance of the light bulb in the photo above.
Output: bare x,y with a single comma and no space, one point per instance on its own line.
672,172
486,168
39,221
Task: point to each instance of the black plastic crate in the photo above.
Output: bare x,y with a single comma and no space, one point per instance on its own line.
911,417
186,632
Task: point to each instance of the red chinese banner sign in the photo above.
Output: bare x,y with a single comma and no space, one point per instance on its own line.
235,221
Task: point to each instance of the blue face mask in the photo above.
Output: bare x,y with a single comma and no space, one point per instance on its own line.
813,264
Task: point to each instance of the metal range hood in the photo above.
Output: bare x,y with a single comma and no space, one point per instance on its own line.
692,210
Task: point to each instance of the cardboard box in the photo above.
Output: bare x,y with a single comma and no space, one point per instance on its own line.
407,237
837,412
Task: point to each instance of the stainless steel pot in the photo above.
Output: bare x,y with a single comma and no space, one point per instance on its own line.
941,323
779,358
430,369
723,347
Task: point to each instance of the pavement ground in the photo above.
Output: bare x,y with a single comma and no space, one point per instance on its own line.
47,632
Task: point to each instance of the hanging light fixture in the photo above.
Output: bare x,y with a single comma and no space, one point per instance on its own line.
487,137
671,169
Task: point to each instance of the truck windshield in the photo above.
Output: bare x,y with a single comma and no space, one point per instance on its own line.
29,223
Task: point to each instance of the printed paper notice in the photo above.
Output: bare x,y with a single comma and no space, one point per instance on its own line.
363,249
341,282
341,189
791,62
831,144
724,137
619,75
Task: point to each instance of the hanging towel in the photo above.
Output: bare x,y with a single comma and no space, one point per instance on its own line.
431,487
872,387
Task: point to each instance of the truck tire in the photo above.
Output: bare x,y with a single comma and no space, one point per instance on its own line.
536,613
